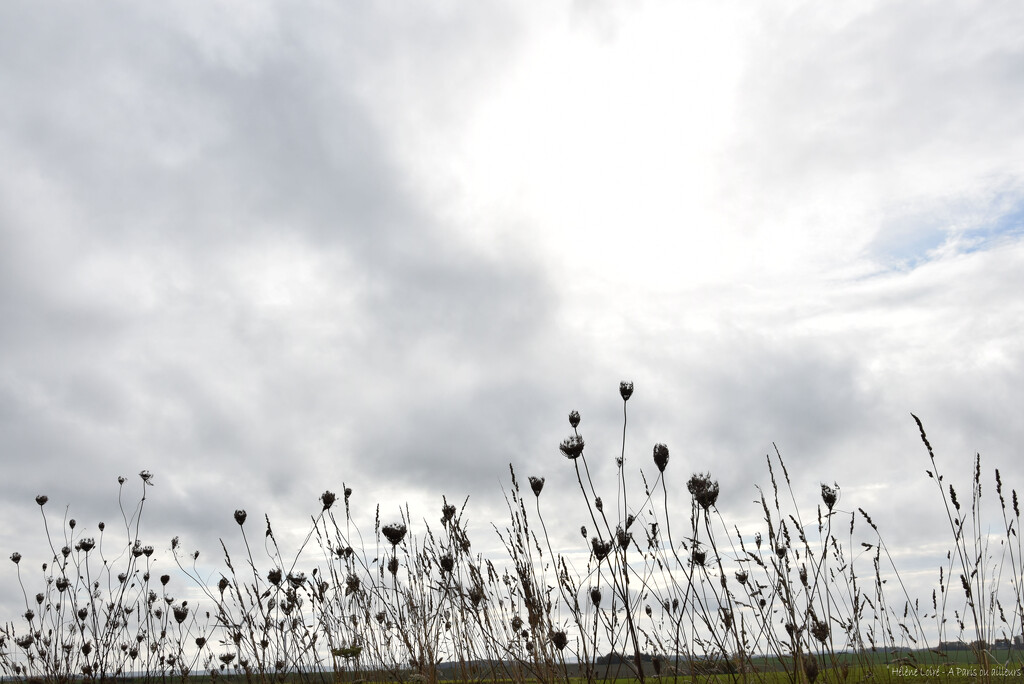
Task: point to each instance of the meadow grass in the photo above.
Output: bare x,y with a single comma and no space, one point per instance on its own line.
648,594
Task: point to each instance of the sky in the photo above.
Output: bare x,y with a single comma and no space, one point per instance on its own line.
267,249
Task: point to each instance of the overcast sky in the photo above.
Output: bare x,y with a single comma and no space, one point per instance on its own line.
265,249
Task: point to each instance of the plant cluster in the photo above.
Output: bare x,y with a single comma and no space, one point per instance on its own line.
652,589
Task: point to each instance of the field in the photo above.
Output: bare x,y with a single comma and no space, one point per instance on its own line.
686,599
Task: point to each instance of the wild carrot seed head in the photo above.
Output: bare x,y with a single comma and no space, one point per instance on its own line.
601,548
572,447
703,489
536,484
394,532
660,456
829,495
625,390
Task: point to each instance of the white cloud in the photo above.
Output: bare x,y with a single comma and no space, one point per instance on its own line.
263,253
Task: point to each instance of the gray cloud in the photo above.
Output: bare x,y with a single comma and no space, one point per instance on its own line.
223,257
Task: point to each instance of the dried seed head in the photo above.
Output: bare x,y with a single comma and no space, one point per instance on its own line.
42,499
517,623
572,447
622,537
741,576
180,613
595,596
16,557
811,668
626,390
703,489
147,477
164,579
393,565
447,563
660,456
240,516
72,523
223,584
447,513
574,418
829,494
87,544
120,479
599,504
699,557
559,639
327,498
536,484
274,576
394,532
819,630
600,548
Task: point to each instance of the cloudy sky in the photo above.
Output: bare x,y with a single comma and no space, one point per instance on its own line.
265,249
